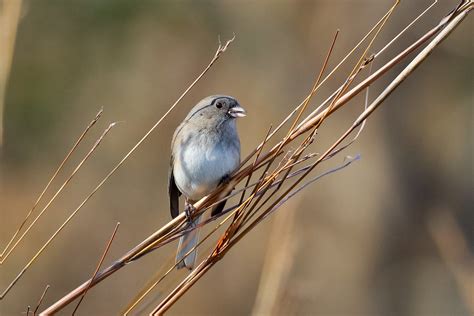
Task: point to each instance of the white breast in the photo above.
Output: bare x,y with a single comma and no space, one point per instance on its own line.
202,163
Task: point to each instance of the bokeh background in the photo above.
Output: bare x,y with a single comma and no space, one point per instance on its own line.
390,235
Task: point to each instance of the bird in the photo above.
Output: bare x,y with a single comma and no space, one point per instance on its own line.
205,151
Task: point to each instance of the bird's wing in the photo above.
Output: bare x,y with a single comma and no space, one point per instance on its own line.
220,207
173,192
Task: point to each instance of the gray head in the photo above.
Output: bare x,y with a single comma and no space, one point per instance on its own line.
216,110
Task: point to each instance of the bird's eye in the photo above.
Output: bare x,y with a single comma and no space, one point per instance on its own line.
219,104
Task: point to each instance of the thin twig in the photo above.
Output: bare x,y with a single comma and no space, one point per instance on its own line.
313,91
405,29
74,147
106,250
40,251
361,128
374,56
270,180
41,299
254,163
308,139
297,108
412,65
349,161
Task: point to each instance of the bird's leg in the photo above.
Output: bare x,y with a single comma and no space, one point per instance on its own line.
189,210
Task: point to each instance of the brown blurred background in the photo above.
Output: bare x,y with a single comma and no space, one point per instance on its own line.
373,239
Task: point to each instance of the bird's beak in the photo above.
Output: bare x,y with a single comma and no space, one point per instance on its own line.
237,111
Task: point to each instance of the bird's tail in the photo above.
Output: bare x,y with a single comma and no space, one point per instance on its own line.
187,242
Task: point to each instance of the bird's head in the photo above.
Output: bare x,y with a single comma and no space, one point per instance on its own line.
216,110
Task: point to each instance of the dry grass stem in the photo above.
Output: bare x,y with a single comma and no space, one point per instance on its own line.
372,57
46,244
41,300
405,29
106,250
297,108
61,165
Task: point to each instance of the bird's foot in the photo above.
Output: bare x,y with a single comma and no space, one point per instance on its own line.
188,212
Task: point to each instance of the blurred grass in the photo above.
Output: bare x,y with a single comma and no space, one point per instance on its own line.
9,18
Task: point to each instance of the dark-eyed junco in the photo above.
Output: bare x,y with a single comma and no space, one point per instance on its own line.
205,150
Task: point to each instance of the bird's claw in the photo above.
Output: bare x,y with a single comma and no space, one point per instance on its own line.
188,212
